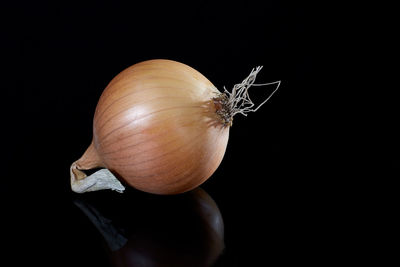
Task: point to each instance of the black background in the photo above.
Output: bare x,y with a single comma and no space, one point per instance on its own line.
281,188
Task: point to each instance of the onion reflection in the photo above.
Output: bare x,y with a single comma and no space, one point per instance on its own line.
148,230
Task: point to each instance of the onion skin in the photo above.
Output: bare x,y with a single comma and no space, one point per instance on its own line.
156,128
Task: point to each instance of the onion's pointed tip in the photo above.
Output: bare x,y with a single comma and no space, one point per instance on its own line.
100,180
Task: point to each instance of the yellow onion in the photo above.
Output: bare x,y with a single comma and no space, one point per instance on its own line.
160,126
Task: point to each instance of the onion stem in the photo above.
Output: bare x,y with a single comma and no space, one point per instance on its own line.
102,179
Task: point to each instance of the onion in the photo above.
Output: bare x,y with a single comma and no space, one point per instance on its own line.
161,127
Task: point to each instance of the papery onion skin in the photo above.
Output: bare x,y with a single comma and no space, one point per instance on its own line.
156,127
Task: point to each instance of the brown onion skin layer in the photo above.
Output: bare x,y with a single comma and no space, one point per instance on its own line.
156,127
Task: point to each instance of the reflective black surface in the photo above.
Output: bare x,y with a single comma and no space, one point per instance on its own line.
184,230
280,195
193,229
